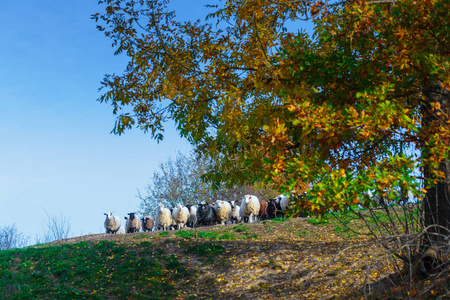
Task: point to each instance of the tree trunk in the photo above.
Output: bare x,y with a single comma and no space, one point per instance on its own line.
437,200
436,204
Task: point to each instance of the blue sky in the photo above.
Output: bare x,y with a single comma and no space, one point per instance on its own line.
56,150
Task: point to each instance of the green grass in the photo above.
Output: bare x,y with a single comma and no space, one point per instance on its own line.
208,251
140,236
318,221
103,270
239,231
302,233
344,231
278,220
164,233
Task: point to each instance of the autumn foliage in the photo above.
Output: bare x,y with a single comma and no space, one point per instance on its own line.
359,104
358,96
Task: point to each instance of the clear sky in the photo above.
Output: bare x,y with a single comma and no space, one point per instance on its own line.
56,150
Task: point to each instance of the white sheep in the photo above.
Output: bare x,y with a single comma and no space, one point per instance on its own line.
133,223
121,230
284,202
250,207
223,211
180,215
112,223
192,220
163,218
235,215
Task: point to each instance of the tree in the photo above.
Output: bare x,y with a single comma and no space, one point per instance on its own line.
180,181
218,83
357,107
380,112
10,238
177,182
58,228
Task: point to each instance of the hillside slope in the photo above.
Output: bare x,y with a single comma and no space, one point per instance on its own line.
277,259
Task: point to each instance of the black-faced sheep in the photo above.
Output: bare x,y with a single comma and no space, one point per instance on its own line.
147,223
250,207
206,214
235,216
163,218
273,209
112,223
223,212
133,223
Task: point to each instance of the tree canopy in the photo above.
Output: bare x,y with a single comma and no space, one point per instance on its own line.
359,105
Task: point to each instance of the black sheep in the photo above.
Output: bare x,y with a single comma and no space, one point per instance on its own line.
273,209
206,214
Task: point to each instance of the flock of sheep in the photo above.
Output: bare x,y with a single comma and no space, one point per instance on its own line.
251,209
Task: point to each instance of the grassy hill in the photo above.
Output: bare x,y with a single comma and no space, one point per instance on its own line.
299,258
